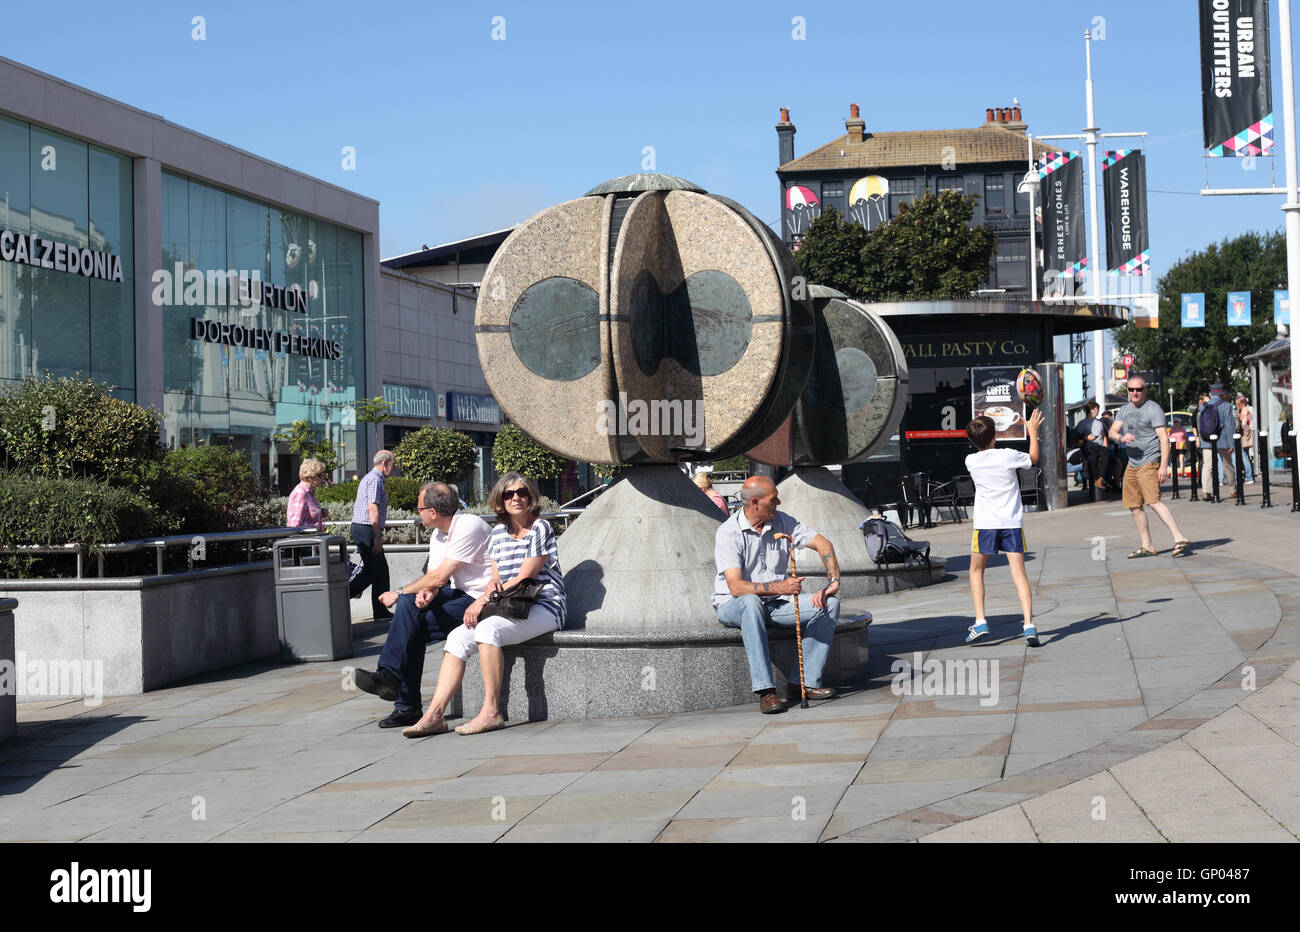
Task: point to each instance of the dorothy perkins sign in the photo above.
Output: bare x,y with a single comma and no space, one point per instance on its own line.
30,249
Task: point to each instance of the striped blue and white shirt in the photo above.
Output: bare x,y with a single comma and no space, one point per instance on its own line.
370,489
509,555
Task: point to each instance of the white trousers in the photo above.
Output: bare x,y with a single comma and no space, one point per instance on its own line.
499,631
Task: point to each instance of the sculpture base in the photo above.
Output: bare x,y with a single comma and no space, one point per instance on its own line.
576,674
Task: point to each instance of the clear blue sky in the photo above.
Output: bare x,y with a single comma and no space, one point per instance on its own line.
458,134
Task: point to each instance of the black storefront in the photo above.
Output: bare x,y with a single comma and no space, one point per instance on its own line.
943,341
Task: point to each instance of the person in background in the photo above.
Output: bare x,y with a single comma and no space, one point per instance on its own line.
1140,425
1178,437
1246,423
706,486
369,514
304,510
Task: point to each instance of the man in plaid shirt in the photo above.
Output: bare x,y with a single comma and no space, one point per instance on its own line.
369,513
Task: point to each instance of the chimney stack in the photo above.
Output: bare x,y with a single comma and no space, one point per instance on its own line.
854,124
988,115
785,138
1016,114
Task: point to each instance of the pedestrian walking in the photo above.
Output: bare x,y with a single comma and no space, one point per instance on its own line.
1140,425
369,514
1246,425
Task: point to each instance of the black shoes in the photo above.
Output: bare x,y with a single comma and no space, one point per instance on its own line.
382,683
400,719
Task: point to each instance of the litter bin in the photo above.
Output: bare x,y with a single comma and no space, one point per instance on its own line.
311,598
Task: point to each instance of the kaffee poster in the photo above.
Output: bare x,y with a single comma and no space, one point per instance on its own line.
993,393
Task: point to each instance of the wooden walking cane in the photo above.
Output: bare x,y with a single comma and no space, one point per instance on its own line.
798,627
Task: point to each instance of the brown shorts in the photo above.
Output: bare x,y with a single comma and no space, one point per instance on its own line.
1141,485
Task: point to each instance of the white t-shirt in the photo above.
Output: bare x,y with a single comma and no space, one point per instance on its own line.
997,489
466,543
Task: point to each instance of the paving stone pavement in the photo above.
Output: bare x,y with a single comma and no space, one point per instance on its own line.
1162,706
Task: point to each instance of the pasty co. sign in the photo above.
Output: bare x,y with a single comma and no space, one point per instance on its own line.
37,251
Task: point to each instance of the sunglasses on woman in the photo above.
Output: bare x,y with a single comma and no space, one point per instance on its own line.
511,493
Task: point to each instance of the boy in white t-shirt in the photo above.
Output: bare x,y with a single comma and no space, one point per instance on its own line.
999,517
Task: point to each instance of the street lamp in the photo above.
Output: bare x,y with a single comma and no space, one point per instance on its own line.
1028,186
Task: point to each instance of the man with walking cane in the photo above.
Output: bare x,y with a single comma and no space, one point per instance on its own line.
751,591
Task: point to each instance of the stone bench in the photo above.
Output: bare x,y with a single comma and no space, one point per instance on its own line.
577,673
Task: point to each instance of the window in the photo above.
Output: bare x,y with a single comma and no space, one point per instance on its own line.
1022,201
994,202
1013,264
901,191
833,196
950,183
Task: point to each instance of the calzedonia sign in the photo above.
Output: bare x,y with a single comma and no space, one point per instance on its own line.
277,341
37,251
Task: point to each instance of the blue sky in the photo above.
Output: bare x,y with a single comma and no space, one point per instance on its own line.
457,133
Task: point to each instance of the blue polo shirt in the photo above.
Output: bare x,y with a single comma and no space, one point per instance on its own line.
760,557
371,488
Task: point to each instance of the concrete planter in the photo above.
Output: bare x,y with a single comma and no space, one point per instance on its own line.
145,632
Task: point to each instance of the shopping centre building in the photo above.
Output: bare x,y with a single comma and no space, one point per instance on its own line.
231,293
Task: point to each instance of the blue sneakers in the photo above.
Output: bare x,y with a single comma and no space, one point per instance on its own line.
977,631
1031,636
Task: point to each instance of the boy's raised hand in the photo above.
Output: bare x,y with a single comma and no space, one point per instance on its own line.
1035,420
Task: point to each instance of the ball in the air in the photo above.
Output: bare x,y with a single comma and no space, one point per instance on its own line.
1030,387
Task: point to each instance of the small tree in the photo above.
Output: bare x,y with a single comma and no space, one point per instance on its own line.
436,453
515,451
373,411
302,440
69,427
831,254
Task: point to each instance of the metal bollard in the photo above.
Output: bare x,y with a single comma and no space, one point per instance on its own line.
1266,500
1089,479
1214,466
1177,456
1295,476
1195,495
1241,470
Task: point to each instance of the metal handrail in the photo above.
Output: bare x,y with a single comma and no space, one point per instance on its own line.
159,544
565,514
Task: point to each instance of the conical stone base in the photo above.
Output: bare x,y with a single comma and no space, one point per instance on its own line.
824,503
642,636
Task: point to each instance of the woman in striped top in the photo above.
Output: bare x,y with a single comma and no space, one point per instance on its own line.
521,546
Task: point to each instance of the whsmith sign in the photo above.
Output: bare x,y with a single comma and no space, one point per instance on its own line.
33,250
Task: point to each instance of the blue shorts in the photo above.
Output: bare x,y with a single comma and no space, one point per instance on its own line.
1001,540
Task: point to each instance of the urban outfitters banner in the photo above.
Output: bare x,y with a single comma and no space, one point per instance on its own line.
1236,96
1124,178
1065,254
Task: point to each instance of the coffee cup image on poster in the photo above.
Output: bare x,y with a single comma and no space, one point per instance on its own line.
993,394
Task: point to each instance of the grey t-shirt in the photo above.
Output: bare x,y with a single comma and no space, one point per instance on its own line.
1141,422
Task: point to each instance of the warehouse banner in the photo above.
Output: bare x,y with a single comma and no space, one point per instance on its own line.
1236,95
1124,179
1194,309
1065,253
1282,307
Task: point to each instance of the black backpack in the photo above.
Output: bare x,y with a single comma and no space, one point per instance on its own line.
886,543
1207,421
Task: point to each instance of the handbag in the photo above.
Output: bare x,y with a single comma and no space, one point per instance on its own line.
514,602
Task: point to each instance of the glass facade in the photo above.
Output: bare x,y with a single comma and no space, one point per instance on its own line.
241,396
78,195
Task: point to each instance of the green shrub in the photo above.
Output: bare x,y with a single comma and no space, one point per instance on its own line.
402,492
732,464
515,451
200,490
74,428
50,512
436,453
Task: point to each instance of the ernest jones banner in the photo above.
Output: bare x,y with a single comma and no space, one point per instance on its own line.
993,393
1061,183
1124,178
1236,96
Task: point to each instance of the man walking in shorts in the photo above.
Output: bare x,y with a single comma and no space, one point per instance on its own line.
1140,425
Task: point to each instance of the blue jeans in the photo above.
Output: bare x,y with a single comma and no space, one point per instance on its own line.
411,630
752,615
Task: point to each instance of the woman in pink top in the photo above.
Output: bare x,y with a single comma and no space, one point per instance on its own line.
304,510
706,486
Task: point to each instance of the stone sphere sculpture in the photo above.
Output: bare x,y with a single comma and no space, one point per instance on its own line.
856,392
645,322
